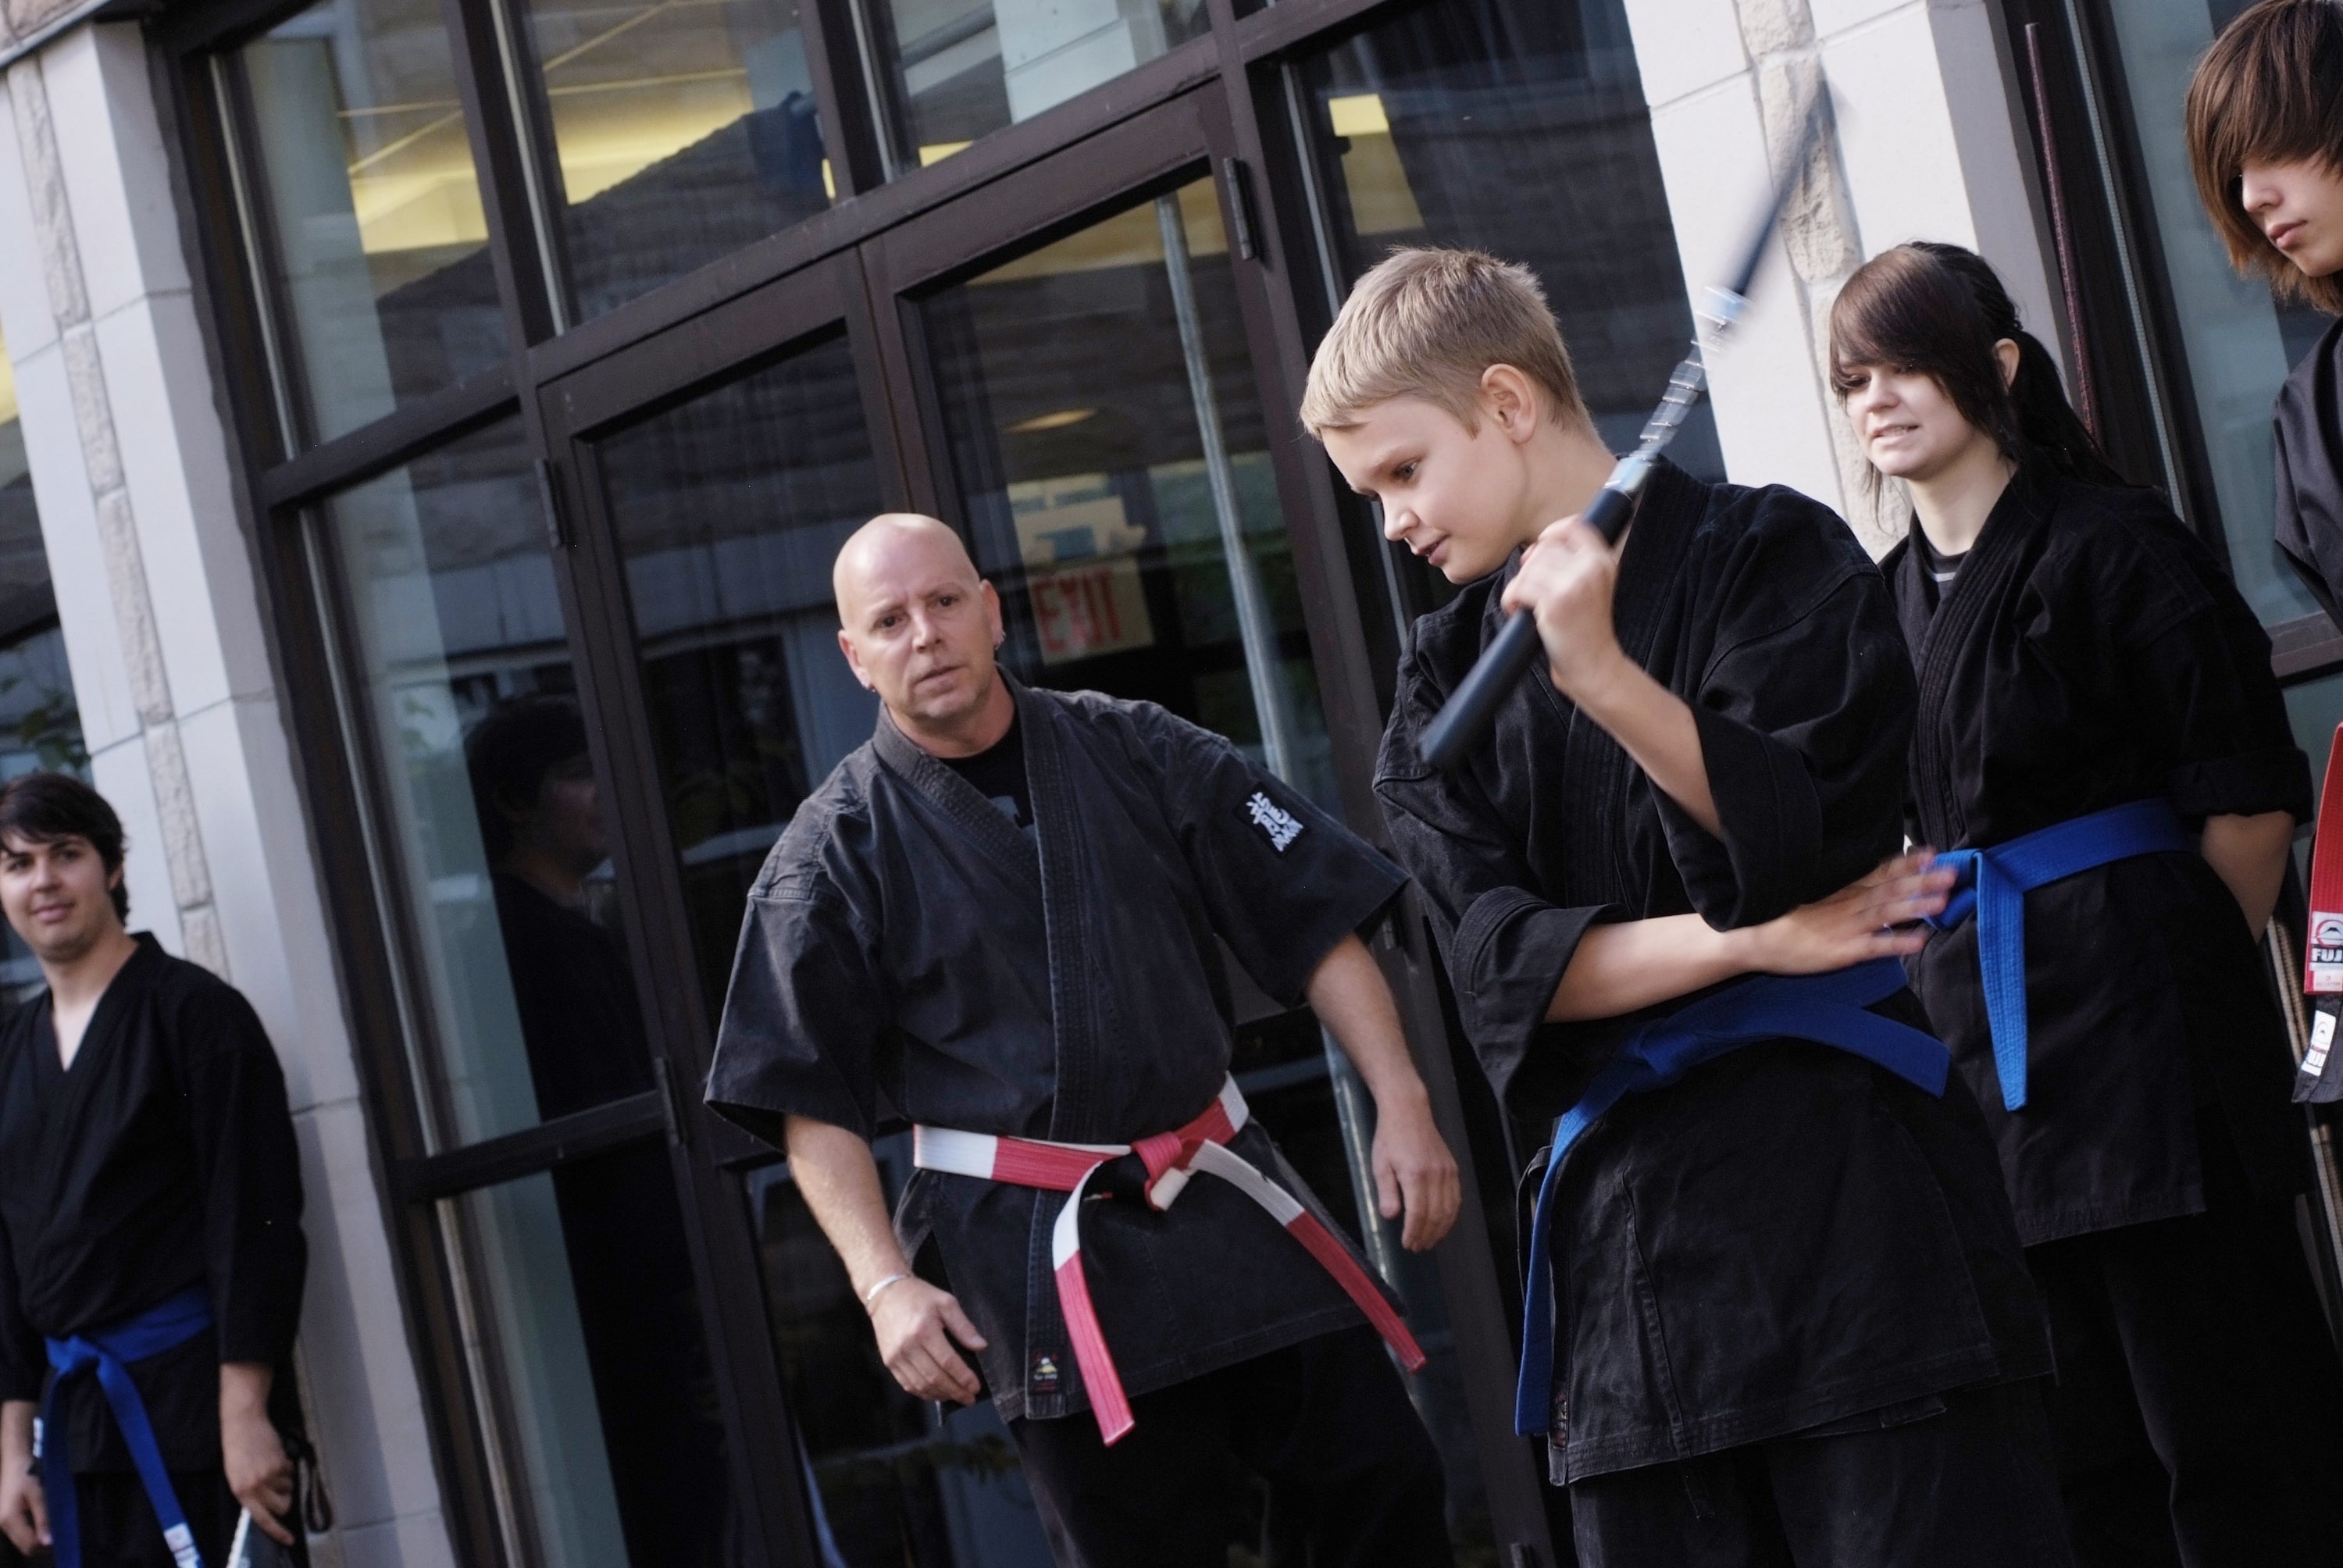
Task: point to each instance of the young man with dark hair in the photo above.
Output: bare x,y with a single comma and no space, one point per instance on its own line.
1787,1318
2266,139
151,1252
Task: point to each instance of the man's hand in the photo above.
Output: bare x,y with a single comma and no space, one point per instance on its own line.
23,1507
251,1452
1414,1172
1565,582
916,1324
1857,922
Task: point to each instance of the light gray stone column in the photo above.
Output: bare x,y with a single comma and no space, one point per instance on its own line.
1924,143
164,630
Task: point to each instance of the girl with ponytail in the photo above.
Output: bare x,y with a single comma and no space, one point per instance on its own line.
2103,751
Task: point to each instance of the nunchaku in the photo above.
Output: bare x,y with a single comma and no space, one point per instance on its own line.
1465,717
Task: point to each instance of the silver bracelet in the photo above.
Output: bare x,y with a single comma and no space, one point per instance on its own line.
871,1294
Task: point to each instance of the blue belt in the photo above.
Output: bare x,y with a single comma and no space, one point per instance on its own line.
157,1329
1994,884
1829,1010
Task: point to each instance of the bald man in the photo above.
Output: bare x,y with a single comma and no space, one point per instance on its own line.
997,919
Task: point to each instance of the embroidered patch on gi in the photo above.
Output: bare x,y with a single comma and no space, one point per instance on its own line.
1281,826
1044,1377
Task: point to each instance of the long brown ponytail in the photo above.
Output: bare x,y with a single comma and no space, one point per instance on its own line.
1937,310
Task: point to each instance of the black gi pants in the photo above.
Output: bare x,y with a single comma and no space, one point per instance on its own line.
118,1528
1963,1479
2199,1415
1353,1479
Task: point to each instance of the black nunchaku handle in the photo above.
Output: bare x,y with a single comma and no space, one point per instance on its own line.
1473,707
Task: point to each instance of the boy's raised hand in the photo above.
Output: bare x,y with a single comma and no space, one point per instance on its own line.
1566,580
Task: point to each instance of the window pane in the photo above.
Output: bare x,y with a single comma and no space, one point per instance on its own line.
592,1366
1429,128
1112,458
486,803
681,132
728,512
2238,344
376,244
39,725
897,1480
1114,466
962,69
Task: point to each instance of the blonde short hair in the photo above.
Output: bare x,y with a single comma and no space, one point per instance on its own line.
1427,323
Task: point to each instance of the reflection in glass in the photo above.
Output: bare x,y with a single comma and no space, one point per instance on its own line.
376,244
2239,346
680,132
962,69
728,512
39,725
486,801
1114,466
1111,459
593,1366
898,1481
1429,128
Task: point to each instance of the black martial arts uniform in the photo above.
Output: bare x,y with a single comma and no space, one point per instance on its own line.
1787,1241
2089,652
908,945
162,1159
2308,421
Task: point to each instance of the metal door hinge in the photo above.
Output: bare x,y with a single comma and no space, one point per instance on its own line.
549,492
1239,176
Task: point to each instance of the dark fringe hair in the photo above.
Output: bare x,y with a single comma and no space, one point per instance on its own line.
43,808
1937,310
508,754
2269,90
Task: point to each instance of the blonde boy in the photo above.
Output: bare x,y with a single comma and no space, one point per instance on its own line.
1790,1316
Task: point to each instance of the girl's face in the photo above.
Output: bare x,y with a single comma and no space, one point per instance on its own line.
2299,207
1908,426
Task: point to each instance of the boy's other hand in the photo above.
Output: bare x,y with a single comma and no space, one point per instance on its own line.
1871,918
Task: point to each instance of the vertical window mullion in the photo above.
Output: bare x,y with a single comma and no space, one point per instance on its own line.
510,154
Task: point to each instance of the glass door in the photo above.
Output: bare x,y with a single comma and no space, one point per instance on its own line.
1078,355
1066,369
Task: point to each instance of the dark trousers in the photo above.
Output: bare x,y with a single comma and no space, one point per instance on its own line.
2199,1416
118,1528
1353,1479
1961,1480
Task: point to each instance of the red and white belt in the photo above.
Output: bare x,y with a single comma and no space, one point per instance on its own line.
1170,1158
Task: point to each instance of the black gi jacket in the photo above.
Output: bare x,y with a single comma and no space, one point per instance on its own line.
164,1159
2309,427
906,939
2092,652
1788,1235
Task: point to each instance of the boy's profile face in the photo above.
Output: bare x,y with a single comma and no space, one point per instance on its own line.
2298,206
1454,496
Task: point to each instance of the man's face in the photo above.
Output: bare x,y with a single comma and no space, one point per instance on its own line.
1452,496
565,821
55,893
919,628
2299,206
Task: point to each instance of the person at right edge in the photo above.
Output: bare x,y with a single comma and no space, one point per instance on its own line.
1788,1320
2265,117
2104,751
